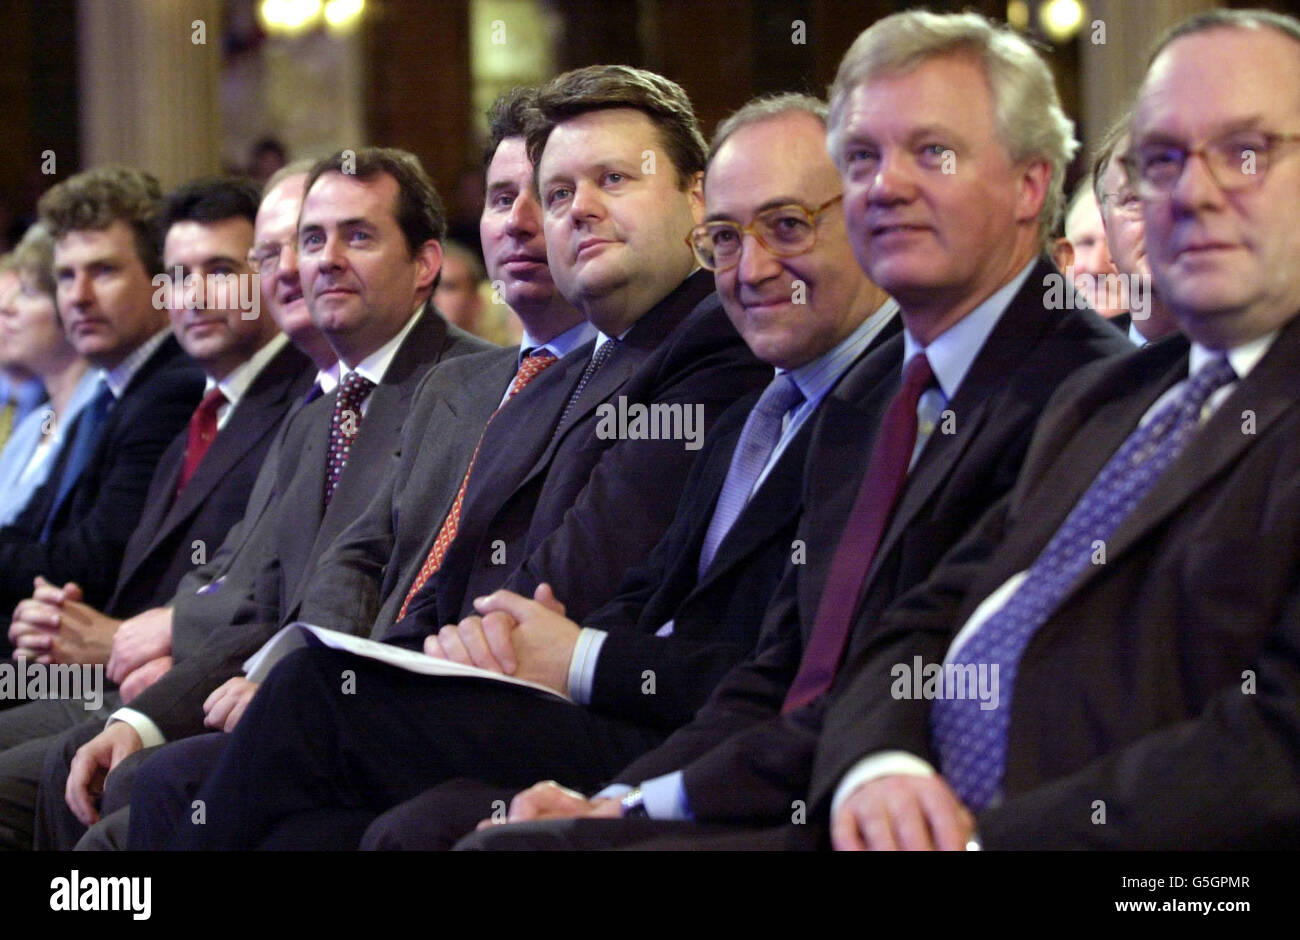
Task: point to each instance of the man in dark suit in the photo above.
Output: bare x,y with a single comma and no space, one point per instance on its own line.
963,254
692,609
1151,701
203,480
76,526
570,500
368,250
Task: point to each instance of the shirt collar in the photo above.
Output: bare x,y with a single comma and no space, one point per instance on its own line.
815,378
119,378
236,384
328,379
1242,358
953,352
560,346
1136,338
376,364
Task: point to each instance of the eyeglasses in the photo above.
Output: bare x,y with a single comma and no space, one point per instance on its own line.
1235,161
264,259
782,230
1126,202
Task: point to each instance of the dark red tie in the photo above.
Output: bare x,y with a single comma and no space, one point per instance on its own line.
203,430
886,474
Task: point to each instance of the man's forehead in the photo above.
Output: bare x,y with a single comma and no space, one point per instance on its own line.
597,137
510,165
279,210
335,193
101,243
1220,79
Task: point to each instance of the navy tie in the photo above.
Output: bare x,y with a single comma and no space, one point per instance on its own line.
85,438
972,740
602,356
757,440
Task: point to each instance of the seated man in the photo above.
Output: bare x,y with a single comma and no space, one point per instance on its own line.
572,498
106,250
1136,595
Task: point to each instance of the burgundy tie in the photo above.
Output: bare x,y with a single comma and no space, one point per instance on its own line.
203,430
886,474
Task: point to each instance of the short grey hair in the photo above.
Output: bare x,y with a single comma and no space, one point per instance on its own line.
765,108
1028,110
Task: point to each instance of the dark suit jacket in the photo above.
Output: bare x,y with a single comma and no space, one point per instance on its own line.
575,507
161,549
742,762
716,617
360,583
297,527
91,526
1165,684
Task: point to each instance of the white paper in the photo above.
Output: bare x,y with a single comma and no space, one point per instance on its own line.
298,634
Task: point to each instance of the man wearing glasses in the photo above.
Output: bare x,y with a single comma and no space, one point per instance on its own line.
1149,316
942,215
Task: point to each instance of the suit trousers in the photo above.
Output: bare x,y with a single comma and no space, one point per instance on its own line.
331,733
642,835
26,734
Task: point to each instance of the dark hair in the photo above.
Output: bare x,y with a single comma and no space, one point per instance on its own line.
509,117
210,199
601,87
1231,19
419,211
97,198
269,145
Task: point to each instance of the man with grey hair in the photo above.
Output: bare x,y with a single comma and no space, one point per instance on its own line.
1121,218
947,206
1150,702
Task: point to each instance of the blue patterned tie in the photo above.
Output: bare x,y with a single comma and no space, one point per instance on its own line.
344,425
757,441
971,740
85,438
602,356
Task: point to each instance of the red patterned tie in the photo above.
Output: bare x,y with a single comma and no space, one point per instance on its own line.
344,425
886,474
531,367
203,430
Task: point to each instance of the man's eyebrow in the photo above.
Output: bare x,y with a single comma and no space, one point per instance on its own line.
1251,122
777,202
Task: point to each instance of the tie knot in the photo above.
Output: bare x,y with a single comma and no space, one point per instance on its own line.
1211,377
354,388
531,367
780,396
917,375
212,401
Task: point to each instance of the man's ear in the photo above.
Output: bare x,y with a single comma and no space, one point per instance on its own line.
428,262
696,194
1063,253
1034,181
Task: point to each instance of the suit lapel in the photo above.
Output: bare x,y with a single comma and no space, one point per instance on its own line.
447,410
1018,330
1268,391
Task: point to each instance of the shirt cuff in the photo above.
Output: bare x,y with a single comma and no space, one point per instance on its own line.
582,667
150,736
665,797
615,791
881,764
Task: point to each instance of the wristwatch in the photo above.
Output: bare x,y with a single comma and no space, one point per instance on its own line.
633,804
